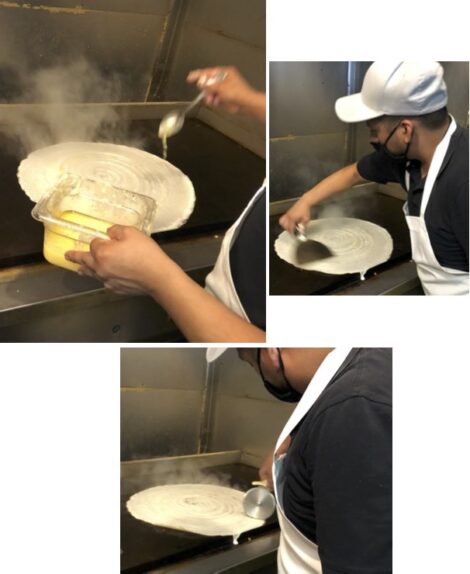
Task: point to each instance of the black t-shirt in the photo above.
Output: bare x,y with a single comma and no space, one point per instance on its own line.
248,262
338,481
446,215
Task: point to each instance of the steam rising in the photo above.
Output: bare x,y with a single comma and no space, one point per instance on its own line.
349,203
188,473
78,82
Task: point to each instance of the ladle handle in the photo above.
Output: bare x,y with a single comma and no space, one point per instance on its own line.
195,102
218,77
260,483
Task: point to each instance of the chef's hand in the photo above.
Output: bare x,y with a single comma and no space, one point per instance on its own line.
131,262
341,180
126,263
232,93
266,469
299,213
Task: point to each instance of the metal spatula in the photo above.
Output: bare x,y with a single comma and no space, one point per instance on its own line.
309,249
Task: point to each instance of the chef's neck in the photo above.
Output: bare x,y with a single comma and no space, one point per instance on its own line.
426,143
301,364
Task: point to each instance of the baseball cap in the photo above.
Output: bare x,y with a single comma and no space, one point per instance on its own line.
396,89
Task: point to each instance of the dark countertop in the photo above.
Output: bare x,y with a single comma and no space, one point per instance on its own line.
386,211
144,546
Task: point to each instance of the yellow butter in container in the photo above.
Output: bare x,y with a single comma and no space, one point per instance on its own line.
77,210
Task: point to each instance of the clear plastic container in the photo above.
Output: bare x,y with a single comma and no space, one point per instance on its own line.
78,210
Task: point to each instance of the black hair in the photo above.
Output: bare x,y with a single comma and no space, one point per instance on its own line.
432,121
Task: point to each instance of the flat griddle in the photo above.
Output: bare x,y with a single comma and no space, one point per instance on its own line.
225,176
384,210
144,546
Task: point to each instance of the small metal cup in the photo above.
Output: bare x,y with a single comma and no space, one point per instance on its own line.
259,503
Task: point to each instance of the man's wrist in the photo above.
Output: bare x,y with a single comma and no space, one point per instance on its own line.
255,104
160,277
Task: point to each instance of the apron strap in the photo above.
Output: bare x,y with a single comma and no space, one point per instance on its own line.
319,382
436,163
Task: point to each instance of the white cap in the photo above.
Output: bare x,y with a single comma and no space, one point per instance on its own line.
213,353
396,89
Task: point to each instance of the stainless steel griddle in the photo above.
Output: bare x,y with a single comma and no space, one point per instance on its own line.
147,548
39,302
372,203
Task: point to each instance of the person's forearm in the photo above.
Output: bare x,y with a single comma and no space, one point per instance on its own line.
255,105
198,314
336,182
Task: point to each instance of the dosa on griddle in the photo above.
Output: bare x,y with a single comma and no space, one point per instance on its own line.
122,166
204,509
356,246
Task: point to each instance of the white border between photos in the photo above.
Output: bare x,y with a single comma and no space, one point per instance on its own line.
59,429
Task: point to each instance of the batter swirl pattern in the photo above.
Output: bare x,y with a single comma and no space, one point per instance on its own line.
356,246
121,166
205,509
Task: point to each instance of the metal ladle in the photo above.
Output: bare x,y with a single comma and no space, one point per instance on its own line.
173,121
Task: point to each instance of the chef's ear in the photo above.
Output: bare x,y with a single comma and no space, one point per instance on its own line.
408,127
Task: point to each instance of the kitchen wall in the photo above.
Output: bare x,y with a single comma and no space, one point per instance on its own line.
456,77
211,33
307,140
119,38
61,52
246,416
143,48
215,33
161,401
173,404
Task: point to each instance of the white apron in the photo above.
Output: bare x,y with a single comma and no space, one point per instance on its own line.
297,554
219,282
435,279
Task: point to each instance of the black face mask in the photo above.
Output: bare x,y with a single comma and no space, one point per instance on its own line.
289,395
382,148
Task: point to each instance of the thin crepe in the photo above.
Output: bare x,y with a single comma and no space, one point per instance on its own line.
118,165
204,509
356,246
